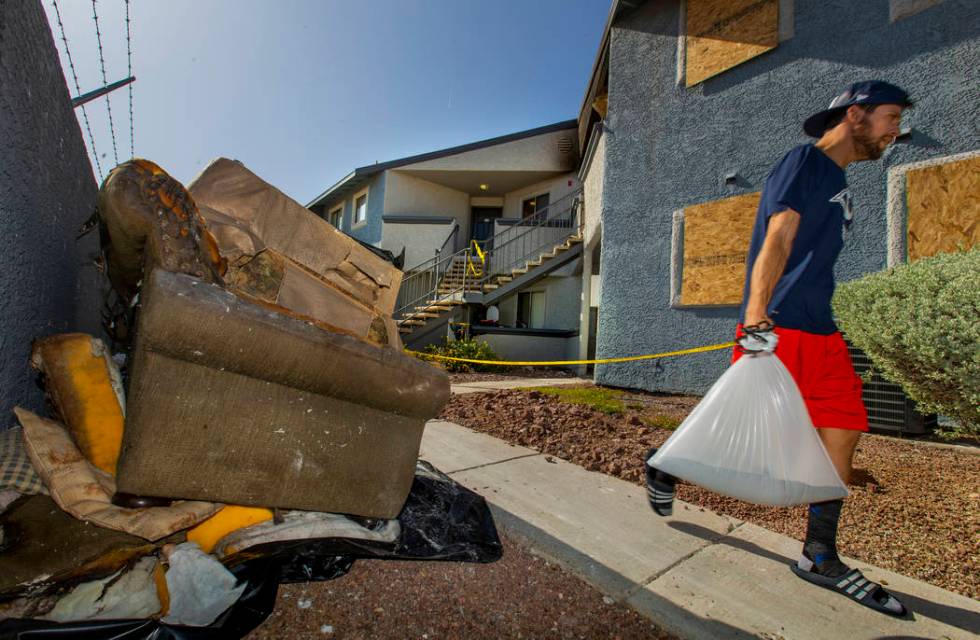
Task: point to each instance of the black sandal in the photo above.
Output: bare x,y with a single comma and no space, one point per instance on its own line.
854,586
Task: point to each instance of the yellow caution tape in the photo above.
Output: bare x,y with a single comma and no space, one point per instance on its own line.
541,363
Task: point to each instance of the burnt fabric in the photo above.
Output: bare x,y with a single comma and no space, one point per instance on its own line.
232,402
441,520
86,492
44,546
229,195
148,219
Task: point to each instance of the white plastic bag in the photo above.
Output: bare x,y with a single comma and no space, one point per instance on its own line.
751,438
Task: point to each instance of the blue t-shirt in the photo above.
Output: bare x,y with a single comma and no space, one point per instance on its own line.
813,185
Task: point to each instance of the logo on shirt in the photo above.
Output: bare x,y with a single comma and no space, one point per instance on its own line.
844,200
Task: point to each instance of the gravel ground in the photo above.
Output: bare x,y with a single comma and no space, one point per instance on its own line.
520,373
913,509
519,596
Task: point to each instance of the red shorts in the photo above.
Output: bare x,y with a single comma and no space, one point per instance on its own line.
823,371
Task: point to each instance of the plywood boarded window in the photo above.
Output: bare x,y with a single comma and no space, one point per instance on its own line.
724,33
716,241
943,204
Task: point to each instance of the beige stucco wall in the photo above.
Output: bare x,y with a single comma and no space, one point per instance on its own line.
530,348
538,153
419,240
557,187
408,195
595,174
478,201
561,299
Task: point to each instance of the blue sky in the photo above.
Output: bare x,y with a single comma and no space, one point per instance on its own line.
303,91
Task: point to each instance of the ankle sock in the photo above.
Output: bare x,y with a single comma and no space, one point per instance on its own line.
820,547
660,487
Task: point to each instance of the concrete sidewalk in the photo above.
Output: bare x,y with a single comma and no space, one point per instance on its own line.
497,385
698,574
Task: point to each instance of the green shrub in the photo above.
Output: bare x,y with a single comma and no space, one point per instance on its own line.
920,325
469,349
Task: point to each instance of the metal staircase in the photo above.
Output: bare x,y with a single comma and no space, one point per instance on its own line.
485,272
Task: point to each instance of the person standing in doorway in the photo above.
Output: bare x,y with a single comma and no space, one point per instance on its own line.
804,217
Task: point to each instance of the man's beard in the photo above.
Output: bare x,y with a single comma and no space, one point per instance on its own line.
868,148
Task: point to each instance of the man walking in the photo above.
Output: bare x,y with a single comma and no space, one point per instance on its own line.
803,219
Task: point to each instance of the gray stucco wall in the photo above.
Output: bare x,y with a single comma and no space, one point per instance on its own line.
370,231
47,191
668,147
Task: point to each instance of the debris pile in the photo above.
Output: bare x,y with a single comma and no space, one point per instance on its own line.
252,420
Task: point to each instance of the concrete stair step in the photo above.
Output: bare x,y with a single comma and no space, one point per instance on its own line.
448,303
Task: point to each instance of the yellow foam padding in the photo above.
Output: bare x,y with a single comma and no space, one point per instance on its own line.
163,593
79,378
230,518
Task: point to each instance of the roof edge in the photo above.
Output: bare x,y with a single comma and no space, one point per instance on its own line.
616,9
371,169
318,200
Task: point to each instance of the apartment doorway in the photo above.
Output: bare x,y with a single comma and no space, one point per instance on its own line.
482,219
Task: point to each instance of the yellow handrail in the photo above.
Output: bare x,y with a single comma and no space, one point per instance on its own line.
483,260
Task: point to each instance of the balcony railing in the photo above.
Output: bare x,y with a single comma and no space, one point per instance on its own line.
525,241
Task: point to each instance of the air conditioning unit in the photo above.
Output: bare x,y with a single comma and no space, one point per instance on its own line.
889,409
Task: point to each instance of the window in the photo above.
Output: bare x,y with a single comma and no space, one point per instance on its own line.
360,208
336,216
534,205
901,9
708,251
716,36
530,309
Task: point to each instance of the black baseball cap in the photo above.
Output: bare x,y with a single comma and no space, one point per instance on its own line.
867,92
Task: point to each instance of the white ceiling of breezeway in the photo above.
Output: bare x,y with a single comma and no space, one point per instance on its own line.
498,183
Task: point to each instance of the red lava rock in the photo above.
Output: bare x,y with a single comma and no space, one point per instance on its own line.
520,595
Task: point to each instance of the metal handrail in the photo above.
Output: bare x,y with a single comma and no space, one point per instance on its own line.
507,250
422,282
452,236
538,234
